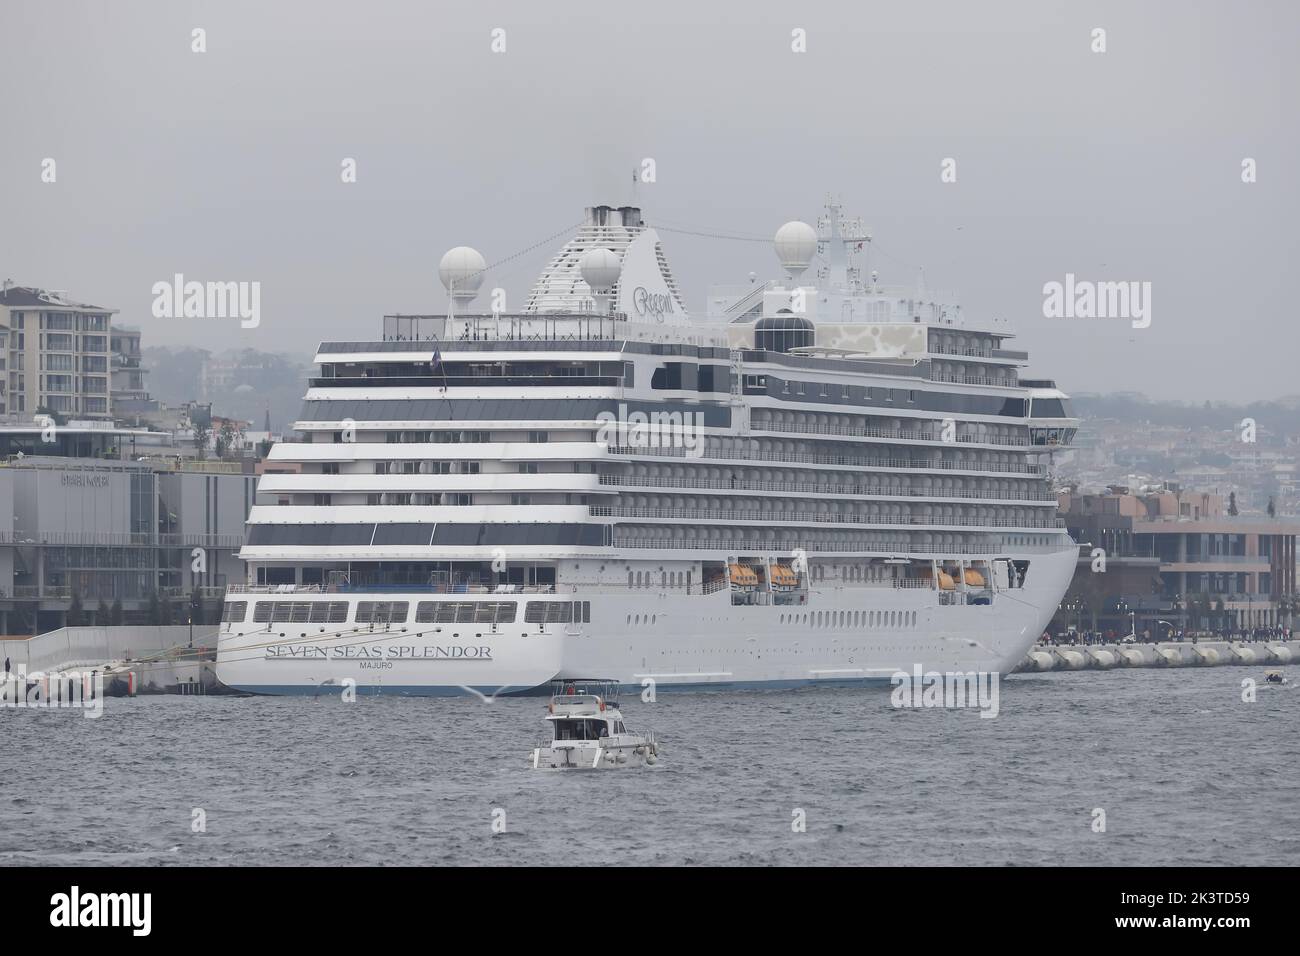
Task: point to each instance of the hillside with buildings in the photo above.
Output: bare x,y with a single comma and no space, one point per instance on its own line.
1247,454
243,383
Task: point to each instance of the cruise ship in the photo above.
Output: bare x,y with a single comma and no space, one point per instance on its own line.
821,480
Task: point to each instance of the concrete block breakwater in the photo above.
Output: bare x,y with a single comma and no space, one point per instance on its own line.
1063,657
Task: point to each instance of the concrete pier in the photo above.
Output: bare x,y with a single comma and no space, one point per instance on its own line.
1062,657
176,659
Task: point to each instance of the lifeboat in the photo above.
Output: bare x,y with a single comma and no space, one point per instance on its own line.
743,577
974,579
784,577
946,583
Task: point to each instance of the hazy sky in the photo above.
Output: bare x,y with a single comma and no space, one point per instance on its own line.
225,165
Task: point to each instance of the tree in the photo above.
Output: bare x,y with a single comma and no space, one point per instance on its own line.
153,609
115,613
55,417
1272,509
76,613
166,611
202,434
1232,504
102,613
229,438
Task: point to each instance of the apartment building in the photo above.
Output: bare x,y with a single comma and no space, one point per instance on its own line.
1177,558
56,354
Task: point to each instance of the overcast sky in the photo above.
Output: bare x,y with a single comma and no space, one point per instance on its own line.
225,165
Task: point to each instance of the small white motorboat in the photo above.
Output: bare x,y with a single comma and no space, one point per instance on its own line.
587,733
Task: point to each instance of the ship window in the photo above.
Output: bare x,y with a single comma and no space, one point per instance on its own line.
235,611
382,612
262,612
580,729
338,612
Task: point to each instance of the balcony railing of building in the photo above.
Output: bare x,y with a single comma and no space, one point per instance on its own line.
121,539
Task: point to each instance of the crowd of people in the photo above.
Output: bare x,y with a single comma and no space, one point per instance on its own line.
1177,634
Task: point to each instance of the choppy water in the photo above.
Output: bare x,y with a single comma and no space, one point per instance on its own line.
1186,772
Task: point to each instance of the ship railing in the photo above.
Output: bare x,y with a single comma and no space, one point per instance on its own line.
905,464
878,491
438,588
973,380
854,431
735,546
781,517
972,353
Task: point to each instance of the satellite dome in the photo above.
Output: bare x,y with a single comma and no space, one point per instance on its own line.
600,268
795,244
461,270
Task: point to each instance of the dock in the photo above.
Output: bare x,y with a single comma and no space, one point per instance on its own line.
1202,653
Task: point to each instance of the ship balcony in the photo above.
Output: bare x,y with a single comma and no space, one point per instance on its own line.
888,434
741,546
811,458
435,379
988,354
860,490
773,517
974,380
425,588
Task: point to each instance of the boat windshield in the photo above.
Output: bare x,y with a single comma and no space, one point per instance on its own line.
580,729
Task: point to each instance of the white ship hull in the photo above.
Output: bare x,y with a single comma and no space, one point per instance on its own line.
677,641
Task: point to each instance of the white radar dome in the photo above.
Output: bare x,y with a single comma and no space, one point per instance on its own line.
461,270
795,243
600,268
